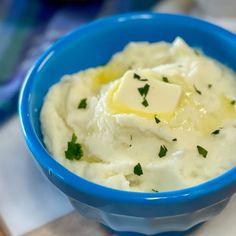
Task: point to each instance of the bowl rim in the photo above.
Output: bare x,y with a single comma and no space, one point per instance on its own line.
53,167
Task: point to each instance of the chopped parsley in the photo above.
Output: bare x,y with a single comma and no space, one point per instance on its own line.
144,90
165,79
138,77
198,91
145,102
209,86
138,170
83,104
233,102
202,151
156,119
154,190
163,151
74,150
174,139
215,132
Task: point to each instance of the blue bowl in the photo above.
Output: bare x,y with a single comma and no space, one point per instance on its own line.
93,45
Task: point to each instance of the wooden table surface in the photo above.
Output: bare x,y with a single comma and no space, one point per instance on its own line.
2,227
1,232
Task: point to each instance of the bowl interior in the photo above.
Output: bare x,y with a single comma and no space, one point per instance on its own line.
94,44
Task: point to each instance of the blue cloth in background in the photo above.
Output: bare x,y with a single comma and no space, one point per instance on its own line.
29,27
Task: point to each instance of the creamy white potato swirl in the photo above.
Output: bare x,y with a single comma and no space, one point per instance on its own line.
156,117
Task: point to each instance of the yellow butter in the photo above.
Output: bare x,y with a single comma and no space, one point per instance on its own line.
161,97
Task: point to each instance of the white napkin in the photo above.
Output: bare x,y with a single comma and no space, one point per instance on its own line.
27,199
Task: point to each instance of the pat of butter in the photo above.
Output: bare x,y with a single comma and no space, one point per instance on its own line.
162,97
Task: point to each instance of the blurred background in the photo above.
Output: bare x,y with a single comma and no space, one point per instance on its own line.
28,28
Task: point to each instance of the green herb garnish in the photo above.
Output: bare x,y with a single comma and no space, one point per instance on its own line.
154,190
163,151
138,170
83,104
174,139
165,79
138,77
74,150
156,119
145,102
144,90
215,132
202,151
198,91
233,102
209,86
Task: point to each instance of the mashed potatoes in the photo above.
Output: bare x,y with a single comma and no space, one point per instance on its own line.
157,117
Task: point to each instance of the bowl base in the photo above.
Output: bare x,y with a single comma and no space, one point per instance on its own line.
178,233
